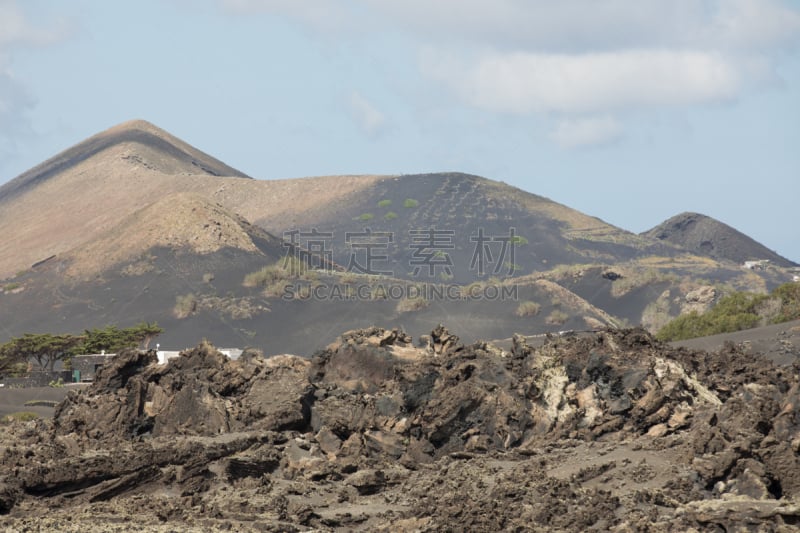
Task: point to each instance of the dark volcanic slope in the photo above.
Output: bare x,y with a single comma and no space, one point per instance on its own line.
707,236
176,156
457,207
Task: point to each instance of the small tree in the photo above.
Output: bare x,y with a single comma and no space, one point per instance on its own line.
11,360
45,348
113,339
145,332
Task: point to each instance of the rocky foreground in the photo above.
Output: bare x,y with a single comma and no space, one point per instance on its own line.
609,430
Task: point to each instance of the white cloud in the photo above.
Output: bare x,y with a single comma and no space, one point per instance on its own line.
545,25
366,115
16,100
593,82
548,26
754,25
572,57
15,29
581,132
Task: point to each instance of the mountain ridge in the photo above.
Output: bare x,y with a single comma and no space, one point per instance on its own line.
705,235
133,131
86,190
131,233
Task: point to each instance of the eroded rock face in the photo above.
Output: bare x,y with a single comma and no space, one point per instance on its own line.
699,300
478,399
601,430
199,393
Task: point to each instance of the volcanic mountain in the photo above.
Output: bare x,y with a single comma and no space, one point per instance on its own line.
86,190
709,237
134,224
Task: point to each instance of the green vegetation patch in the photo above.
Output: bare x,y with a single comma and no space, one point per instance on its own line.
410,203
789,295
384,203
735,312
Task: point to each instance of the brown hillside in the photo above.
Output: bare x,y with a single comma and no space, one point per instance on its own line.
180,221
142,144
86,190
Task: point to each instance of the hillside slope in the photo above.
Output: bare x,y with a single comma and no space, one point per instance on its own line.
135,225
141,142
180,221
86,190
703,235
440,226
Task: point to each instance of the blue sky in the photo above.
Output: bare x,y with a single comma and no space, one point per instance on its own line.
629,110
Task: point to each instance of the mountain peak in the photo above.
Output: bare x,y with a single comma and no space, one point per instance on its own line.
705,235
135,141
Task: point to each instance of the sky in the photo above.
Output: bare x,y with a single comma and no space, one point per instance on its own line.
629,110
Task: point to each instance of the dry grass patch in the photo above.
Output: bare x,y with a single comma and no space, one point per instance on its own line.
557,317
287,269
408,305
185,306
527,308
20,416
634,278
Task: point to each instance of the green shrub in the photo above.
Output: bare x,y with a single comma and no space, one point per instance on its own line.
527,308
519,239
384,203
789,295
410,203
366,217
734,312
391,215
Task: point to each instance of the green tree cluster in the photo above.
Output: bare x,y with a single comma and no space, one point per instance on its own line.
735,312
789,295
44,348
113,339
47,348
